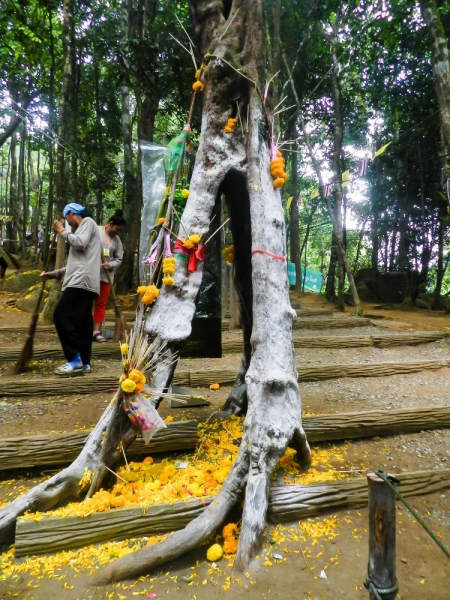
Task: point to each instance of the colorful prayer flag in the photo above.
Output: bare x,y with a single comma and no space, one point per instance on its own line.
328,189
381,150
345,178
314,193
363,167
289,201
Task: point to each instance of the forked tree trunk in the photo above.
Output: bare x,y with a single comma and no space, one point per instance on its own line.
237,165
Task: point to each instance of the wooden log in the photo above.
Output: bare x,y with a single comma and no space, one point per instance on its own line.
52,449
110,350
63,448
354,425
53,534
410,338
293,502
234,344
381,572
286,503
54,352
322,323
381,369
101,383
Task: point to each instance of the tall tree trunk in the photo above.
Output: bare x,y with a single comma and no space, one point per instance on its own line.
124,278
62,158
51,120
441,68
273,418
22,189
440,265
336,162
11,227
294,222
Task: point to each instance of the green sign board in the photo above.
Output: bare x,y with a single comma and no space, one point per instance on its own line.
292,275
312,280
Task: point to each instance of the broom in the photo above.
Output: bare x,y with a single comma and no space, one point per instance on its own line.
17,264
120,326
27,350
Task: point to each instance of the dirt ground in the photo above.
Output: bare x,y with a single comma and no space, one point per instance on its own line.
329,563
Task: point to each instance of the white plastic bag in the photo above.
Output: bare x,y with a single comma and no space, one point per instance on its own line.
143,415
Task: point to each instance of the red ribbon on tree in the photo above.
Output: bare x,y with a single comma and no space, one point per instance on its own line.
195,254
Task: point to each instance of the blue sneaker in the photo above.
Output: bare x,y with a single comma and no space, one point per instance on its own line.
86,368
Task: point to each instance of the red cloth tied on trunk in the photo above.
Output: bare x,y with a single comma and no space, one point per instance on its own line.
194,254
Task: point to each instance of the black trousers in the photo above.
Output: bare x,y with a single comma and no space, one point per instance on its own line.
74,323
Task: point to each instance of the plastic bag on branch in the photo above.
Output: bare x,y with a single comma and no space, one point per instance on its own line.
153,187
143,415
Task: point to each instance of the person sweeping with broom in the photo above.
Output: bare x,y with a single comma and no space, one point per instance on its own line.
112,258
81,285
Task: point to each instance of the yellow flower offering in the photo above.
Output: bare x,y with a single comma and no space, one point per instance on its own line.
278,182
128,386
214,552
188,244
149,294
137,376
168,280
161,220
169,264
195,238
185,193
277,170
124,349
197,86
214,386
230,545
229,530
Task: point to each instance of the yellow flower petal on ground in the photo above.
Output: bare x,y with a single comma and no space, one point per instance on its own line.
214,552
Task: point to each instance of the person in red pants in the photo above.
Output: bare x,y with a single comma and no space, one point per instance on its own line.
113,253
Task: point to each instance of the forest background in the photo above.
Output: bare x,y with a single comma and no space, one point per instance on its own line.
83,84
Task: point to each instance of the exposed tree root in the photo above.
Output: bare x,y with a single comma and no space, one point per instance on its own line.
66,484
180,542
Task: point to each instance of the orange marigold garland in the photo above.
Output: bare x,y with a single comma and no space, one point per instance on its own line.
230,125
277,166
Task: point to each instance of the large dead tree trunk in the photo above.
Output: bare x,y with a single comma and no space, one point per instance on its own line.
236,165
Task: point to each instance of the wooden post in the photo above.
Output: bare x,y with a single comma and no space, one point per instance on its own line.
381,569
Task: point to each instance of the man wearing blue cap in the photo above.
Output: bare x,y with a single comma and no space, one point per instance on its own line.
81,285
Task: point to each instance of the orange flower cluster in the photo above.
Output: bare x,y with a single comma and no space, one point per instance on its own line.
198,86
230,125
230,538
228,254
168,268
277,171
148,293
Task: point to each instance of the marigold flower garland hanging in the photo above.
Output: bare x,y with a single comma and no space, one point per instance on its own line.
277,166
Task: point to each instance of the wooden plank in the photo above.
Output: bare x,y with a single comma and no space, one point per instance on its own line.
350,341
52,449
63,448
111,350
53,534
54,352
354,425
293,502
286,503
321,323
87,384
381,369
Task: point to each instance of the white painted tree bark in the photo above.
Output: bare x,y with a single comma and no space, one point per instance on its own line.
236,165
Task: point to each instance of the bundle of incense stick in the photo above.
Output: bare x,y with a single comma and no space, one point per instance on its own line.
149,357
